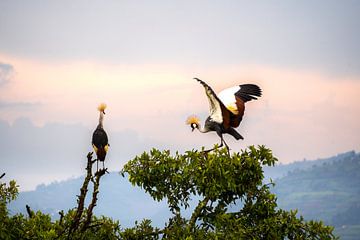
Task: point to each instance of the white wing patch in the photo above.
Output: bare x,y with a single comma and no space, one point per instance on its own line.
215,108
227,96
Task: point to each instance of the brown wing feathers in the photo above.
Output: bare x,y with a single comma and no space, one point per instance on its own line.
246,93
236,119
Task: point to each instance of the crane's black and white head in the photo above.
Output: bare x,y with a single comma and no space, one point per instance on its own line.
193,121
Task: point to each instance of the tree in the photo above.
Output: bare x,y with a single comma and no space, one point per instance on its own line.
77,223
219,180
7,194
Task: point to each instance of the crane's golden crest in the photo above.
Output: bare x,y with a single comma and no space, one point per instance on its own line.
193,119
102,107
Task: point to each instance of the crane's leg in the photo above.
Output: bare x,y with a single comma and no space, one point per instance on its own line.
209,150
221,144
227,147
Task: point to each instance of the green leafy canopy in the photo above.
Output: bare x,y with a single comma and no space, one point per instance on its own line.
216,178
219,179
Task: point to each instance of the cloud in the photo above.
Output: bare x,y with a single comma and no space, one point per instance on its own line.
319,35
19,106
6,72
301,113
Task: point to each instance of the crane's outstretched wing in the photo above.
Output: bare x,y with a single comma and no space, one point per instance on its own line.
234,99
248,92
218,112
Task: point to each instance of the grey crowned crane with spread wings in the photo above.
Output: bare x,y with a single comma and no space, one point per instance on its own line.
100,139
226,110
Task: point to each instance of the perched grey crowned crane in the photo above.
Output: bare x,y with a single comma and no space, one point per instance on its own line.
99,139
226,110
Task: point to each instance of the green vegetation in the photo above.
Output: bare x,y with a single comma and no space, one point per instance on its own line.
329,191
216,179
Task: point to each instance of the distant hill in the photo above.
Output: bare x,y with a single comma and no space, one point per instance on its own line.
281,170
118,199
327,189
321,191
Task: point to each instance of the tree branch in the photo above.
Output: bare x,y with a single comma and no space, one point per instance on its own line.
94,199
83,192
197,213
155,233
28,210
61,213
2,175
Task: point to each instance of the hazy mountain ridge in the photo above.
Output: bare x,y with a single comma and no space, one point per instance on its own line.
329,190
117,199
324,191
281,170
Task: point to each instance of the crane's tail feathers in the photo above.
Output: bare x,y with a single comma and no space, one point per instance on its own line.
238,136
235,134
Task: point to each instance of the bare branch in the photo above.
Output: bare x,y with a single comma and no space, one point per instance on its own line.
83,192
61,213
94,199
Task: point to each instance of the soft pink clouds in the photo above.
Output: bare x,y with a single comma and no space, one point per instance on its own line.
301,114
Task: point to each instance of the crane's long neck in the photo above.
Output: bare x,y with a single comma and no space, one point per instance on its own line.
202,129
101,119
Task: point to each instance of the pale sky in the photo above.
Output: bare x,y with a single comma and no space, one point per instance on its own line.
60,59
